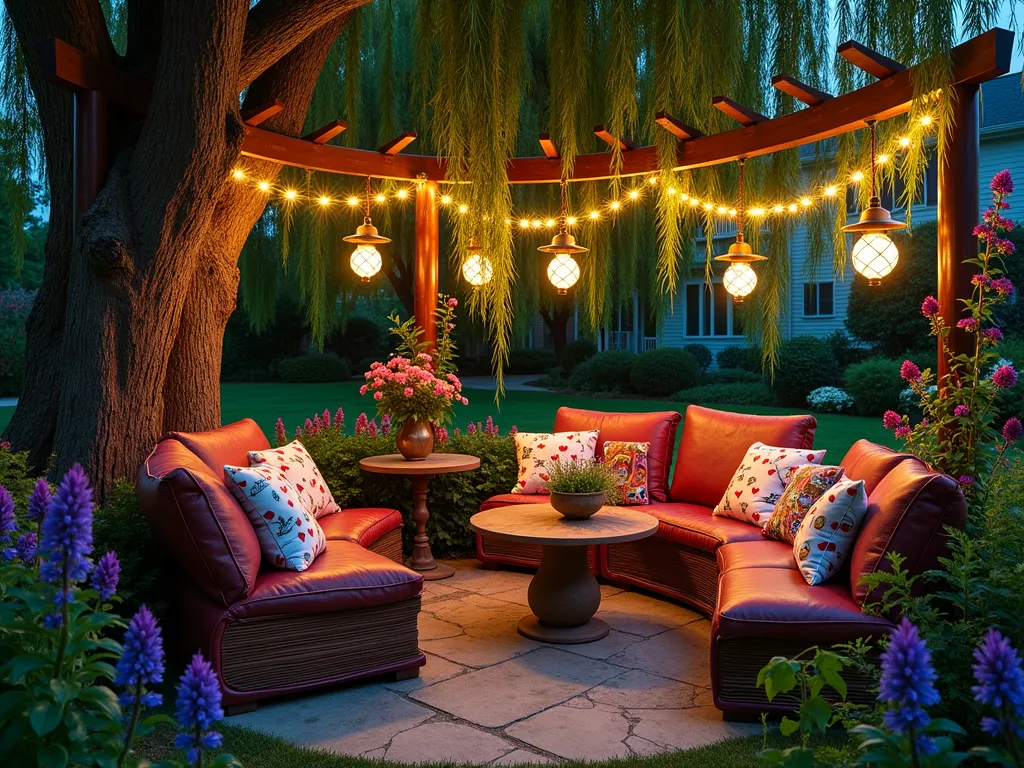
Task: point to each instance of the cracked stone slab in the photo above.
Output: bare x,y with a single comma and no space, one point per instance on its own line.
643,615
434,671
348,721
447,743
574,733
680,654
521,757
434,589
433,628
609,645
483,646
640,690
474,610
506,692
519,594
686,728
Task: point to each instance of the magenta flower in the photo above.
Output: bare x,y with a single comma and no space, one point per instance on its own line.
471,428
371,428
966,481
930,306
992,335
980,279
309,428
909,371
361,423
385,424
1003,286
489,426
983,231
1012,430
1002,183
407,391
317,424
1005,377
339,418
961,411
514,430
280,436
298,432
1002,246
903,432
325,419
969,324
891,420
453,302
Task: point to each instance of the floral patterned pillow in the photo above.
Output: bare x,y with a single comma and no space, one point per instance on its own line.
629,461
290,537
302,474
808,484
829,530
759,481
536,449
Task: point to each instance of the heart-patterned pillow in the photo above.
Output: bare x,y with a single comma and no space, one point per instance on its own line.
535,450
829,530
809,482
290,537
295,463
758,483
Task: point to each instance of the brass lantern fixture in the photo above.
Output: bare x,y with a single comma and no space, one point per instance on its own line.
366,260
874,254
563,270
740,279
476,269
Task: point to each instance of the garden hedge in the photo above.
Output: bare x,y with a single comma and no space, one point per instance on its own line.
805,363
530,361
576,352
607,371
875,385
660,372
311,369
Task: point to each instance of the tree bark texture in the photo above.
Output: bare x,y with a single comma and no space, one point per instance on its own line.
126,335
556,318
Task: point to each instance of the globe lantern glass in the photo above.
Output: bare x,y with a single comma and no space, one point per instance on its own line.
365,262
563,272
477,270
875,255
739,280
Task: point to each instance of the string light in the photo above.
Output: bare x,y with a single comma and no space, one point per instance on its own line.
805,201
535,224
615,205
238,174
883,159
549,223
671,191
381,198
857,177
634,194
353,201
830,191
402,194
652,180
463,208
446,199
264,186
291,194
571,221
524,223
904,141
926,120
594,215
324,200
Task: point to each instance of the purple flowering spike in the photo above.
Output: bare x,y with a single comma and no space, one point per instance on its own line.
1012,430
198,708
326,418
909,371
106,575
339,418
8,523
1000,683
39,500
908,680
25,548
298,432
385,424
280,435
471,428
67,534
371,428
142,661
361,423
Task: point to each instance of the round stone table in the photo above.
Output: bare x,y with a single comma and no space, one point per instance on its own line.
564,594
419,473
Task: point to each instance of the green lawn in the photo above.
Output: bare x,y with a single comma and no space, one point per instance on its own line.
528,411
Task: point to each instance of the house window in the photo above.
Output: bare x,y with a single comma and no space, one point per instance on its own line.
818,299
709,311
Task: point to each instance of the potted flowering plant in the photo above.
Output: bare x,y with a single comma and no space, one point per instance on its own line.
417,386
957,433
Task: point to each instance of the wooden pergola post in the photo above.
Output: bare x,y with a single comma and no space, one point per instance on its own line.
90,149
427,256
958,210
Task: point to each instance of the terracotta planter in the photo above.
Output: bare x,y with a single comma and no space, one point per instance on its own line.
577,506
415,439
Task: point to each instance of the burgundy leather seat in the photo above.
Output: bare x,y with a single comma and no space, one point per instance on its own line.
353,611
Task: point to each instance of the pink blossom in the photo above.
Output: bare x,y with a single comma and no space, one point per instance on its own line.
980,279
362,390
909,371
298,432
891,420
969,324
1002,246
1003,286
925,422
1005,377
280,436
930,307
339,418
993,335
407,391
983,231
489,426
1012,430
317,424
903,432
361,422
378,395
471,428
326,418
453,302
514,430
371,428
966,481
465,401
961,411
385,423
1002,183
309,427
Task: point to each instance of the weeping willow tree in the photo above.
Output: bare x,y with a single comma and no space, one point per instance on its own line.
125,337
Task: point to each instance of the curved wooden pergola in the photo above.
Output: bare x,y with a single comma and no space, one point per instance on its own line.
977,60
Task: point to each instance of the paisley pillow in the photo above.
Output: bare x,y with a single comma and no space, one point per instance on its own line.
535,450
760,480
629,461
290,537
808,484
302,474
829,530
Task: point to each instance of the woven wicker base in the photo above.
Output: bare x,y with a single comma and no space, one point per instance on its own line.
689,575
389,545
334,646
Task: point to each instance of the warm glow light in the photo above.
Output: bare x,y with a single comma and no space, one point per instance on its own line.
324,200
857,176
757,211
685,196
694,201
792,208
264,186
353,201
536,224
883,159
830,191
739,280
549,223
874,256
463,208
652,180
805,201
380,198
732,211
634,194
904,141
563,272
721,210
707,206
524,223
777,209
571,221
926,119
594,215
671,190
614,205
402,194
238,174
365,262
477,270
291,194
446,199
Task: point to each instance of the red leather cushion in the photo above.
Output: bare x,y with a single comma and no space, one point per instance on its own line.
714,443
362,525
777,603
694,526
765,553
657,428
507,499
870,462
225,445
346,576
907,513
199,521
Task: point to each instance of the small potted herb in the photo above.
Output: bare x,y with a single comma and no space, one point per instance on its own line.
580,488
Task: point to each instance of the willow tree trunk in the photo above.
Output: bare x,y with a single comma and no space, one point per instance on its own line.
125,339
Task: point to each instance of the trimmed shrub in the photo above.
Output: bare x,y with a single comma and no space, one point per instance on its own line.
251,356
805,363
752,393
14,308
845,349
660,372
312,369
732,376
607,371
747,358
361,337
875,385
701,354
530,361
576,352
830,400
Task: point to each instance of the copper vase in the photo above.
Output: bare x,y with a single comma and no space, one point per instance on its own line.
415,439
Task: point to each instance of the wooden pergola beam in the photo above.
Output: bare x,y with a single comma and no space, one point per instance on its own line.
325,133
745,116
677,128
868,60
625,143
808,94
67,66
258,114
547,146
398,143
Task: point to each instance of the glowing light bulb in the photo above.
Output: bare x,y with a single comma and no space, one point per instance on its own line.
571,221
549,223
238,174
926,120
874,256
904,141
446,199
402,194
524,223
732,211
857,176
671,191
352,201
757,211
324,200
830,191
380,198
615,205
463,208
739,280
805,201
792,208
882,159
264,186
536,224
477,270
684,196
707,206
365,262
634,194
652,180
291,194
594,215
777,209
721,210
563,272
693,201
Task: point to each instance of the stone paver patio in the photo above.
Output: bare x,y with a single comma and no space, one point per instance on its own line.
489,695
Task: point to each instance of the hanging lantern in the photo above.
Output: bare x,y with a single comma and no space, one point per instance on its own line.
874,254
740,279
563,271
477,269
366,260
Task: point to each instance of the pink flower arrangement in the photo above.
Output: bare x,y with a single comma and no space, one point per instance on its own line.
1005,377
909,371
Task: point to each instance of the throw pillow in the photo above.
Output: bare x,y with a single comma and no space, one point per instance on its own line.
289,536
809,482
536,449
759,481
829,530
302,474
629,461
